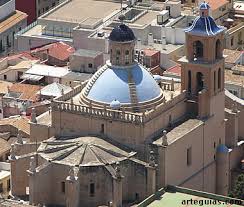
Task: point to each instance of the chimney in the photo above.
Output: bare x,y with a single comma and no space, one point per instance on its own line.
138,45
106,45
164,43
173,35
33,116
150,39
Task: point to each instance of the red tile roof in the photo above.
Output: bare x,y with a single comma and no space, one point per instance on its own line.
28,91
150,52
19,122
21,55
59,50
175,70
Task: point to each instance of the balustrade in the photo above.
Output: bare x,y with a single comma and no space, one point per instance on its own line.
117,114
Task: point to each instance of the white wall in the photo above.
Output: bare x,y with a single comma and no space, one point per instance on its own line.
174,35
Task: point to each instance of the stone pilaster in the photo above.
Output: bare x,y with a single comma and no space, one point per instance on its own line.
72,190
151,180
33,185
117,187
222,170
117,192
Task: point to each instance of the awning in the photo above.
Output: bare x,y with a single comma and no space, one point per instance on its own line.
31,77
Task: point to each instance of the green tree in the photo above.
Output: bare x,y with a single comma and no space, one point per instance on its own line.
238,190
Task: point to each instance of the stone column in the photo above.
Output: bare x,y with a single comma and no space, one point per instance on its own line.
72,190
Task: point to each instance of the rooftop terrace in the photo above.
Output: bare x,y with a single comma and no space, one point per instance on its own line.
83,10
178,196
235,76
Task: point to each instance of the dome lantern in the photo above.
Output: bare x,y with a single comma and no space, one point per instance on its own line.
121,45
204,9
115,104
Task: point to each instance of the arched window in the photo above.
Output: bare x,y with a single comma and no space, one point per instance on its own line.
219,78
102,129
117,57
189,81
197,49
200,81
218,49
214,83
127,52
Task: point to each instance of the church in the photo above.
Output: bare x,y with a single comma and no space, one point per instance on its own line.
117,138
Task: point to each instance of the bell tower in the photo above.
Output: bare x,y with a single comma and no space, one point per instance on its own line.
203,65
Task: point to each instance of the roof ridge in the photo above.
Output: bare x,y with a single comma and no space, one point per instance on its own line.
98,157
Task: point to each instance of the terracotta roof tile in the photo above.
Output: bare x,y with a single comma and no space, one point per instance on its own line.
21,55
28,92
4,86
174,70
150,52
4,146
19,122
59,50
215,4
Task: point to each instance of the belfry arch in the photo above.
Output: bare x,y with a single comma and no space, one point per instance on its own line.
197,49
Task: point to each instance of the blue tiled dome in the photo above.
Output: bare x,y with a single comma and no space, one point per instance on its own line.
122,33
112,85
115,104
204,26
204,5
